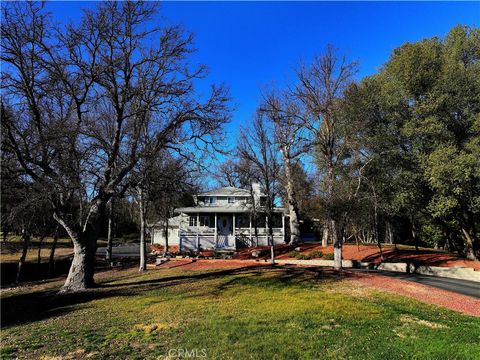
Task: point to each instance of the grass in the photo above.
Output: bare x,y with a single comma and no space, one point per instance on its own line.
248,313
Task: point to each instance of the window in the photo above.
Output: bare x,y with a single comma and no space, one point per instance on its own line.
242,221
205,221
212,200
193,220
231,200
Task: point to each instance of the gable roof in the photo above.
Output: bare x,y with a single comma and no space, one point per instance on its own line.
226,191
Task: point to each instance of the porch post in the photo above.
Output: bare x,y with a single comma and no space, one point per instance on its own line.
283,226
198,230
234,239
216,238
250,229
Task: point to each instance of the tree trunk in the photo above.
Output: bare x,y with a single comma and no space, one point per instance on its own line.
415,237
337,246
469,248
108,255
5,235
332,226
80,275
39,254
272,250
292,203
21,262
165,251
51,261
388,233
143,250
325,234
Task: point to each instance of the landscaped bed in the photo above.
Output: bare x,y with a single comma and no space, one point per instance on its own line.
230,312
364,253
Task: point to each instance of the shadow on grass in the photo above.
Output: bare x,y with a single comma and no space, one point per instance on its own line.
34,306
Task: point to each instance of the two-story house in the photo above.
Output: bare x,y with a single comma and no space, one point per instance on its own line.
226,219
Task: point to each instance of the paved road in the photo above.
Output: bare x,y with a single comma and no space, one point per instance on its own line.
121,251
464,287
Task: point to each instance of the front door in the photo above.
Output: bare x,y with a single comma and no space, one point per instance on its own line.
224,230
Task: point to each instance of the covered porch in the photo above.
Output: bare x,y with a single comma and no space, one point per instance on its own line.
222,230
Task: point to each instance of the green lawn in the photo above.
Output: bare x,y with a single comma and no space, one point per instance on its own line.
230,314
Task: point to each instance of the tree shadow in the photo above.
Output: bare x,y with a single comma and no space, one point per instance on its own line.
420,257
40,305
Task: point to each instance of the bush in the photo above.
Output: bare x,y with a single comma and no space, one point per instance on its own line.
299,256
328,256
316,254
293,254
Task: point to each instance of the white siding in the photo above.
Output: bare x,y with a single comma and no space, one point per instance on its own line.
159,237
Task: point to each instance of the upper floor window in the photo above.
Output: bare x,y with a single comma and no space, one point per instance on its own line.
212,200
231,200
193,221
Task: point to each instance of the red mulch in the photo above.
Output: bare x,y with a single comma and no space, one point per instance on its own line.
371,253
427,294
158,249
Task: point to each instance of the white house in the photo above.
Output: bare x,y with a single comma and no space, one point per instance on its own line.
159,233
224,219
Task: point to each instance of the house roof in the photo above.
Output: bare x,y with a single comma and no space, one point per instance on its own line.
246,208
226,191
173,222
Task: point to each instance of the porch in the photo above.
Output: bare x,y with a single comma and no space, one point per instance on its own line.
228,231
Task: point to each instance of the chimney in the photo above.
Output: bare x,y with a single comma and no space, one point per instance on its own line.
256,193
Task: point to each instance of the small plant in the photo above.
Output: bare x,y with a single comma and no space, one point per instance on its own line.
293,254
299,256
328,256
316,254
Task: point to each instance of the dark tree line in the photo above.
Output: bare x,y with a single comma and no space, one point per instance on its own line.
396,154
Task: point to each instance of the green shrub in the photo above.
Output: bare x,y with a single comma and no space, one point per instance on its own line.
293,254
328,256
316,254
299,256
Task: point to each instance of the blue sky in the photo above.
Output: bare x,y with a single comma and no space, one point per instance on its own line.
249,45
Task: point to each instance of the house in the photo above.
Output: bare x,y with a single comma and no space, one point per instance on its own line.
159,233
224,219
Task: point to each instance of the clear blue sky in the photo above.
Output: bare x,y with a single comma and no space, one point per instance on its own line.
250,44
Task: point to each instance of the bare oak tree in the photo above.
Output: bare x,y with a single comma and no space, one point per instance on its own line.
87,96
321,86
289,132
257,148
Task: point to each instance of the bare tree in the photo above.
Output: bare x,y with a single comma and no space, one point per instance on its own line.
321,86
86,96
285,113
235,173
256,146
